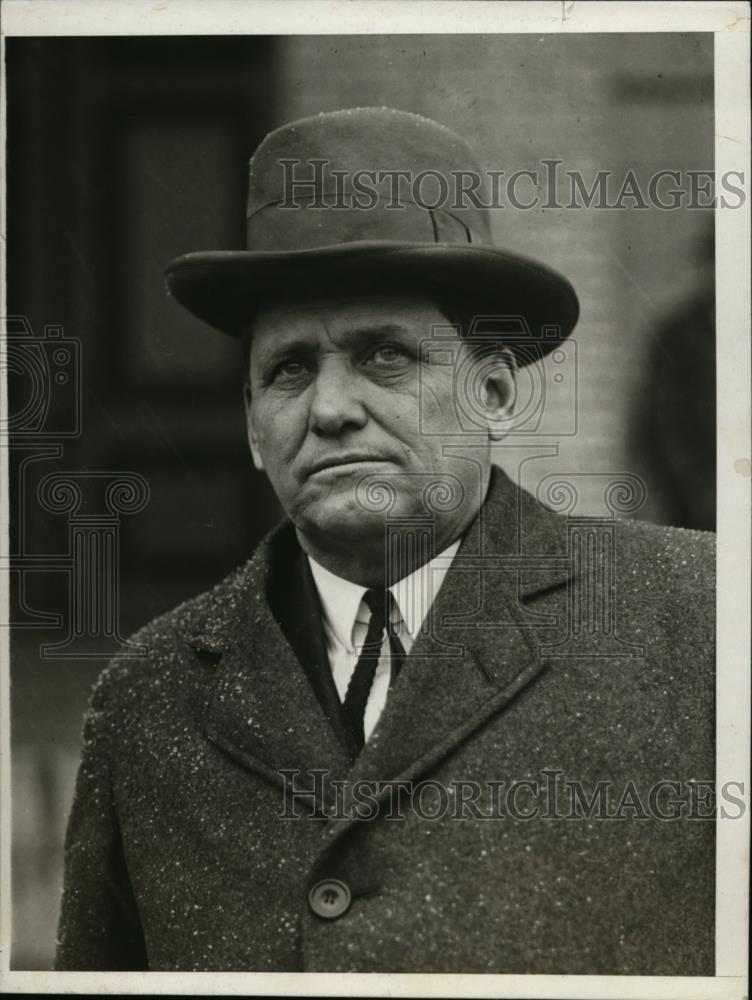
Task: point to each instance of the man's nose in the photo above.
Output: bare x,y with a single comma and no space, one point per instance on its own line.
336,404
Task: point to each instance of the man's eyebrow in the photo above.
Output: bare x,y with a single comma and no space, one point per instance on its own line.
381,328
304,344
294,344
370,331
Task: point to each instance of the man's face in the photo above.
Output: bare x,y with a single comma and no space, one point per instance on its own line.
336,386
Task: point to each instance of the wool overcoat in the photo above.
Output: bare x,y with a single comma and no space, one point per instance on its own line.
528,801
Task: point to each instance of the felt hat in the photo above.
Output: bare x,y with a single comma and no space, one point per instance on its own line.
374,193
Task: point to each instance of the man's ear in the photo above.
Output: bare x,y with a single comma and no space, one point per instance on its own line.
251,429
499,392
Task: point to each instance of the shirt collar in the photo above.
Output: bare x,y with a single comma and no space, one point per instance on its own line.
340,600
414,595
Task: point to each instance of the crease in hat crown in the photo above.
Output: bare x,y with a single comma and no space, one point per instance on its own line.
354,141
317,241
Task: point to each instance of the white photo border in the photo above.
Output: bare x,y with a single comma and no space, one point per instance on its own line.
730,24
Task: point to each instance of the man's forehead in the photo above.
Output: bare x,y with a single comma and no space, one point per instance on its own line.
339,311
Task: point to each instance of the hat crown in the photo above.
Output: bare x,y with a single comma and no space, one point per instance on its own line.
362,174
318,215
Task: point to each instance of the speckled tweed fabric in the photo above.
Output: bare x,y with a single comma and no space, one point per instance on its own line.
176,855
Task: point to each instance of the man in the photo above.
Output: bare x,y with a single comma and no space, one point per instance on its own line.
430,726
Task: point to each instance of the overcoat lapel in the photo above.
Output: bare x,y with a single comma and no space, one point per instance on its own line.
264,712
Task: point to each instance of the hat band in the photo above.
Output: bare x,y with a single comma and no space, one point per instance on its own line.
304,227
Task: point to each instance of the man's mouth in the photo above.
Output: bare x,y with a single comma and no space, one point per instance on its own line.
344,462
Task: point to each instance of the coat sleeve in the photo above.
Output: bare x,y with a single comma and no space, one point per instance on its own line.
99,927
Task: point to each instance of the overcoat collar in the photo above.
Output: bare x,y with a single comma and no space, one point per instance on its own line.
478,650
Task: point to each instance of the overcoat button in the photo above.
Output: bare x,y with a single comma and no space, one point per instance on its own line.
329,898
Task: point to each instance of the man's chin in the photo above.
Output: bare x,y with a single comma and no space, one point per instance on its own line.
342,521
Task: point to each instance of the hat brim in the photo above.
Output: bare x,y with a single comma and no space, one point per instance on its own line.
223,288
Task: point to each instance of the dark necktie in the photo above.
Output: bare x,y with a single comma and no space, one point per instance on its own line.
359,688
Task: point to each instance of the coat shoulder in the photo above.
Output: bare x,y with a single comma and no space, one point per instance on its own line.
681,555
167,643
665,581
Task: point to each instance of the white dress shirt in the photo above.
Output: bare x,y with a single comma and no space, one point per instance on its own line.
346,618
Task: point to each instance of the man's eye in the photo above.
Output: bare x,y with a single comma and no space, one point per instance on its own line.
387,354
289,370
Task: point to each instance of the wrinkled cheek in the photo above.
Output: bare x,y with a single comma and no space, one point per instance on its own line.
416,411
438,406
279,435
